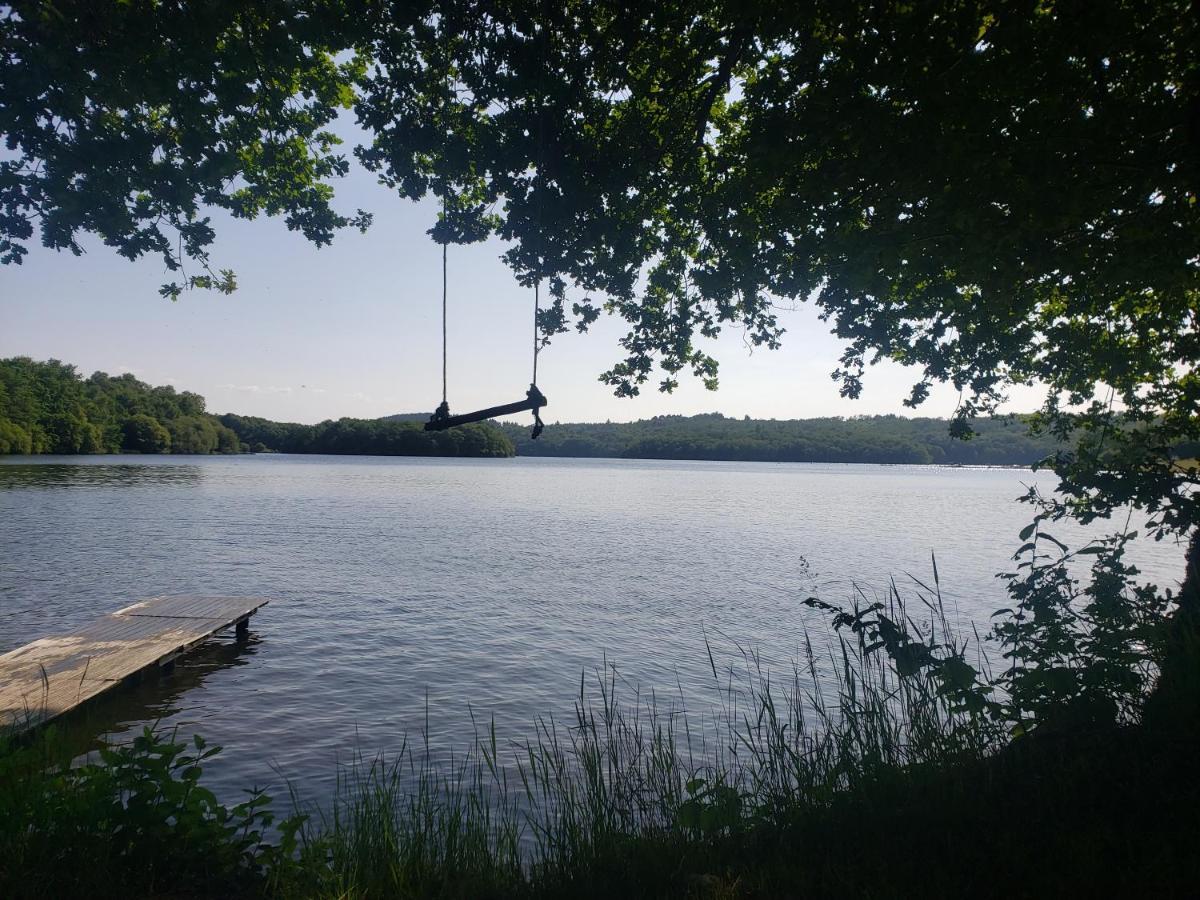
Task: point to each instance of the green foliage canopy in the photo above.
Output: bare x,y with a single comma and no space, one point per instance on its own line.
46,407
126,120
998,193
144,434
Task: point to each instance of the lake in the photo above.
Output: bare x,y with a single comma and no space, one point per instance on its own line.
420,595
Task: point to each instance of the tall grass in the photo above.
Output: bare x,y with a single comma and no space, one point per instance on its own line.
629,775
879,763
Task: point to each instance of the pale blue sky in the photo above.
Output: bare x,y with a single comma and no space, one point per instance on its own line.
354,330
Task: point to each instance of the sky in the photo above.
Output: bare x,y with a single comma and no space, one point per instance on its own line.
354,329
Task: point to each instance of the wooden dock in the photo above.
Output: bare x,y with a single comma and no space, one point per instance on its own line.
54,675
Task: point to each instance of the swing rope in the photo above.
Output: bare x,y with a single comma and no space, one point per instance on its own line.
537,284
445,401
443,411
535,399
537,344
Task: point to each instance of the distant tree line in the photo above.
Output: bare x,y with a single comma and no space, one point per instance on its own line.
377,437
858,439
48,407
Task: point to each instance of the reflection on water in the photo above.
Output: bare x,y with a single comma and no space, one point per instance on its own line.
159,694
153,696
65,475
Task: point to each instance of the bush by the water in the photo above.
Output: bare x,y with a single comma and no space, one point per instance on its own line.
133,820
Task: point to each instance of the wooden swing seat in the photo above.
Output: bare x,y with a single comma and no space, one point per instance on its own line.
441,420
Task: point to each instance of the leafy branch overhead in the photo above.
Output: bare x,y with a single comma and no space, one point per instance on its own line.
998,193
131,121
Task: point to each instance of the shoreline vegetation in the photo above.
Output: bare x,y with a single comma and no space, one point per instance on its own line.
50,408
886,439
896,760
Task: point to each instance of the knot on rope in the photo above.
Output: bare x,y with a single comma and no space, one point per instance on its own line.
440,414
538,399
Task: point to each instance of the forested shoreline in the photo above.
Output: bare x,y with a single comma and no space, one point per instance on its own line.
857,439
368,437
50,408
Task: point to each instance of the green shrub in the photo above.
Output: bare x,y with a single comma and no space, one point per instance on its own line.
192,434
132,820
14,438
144,434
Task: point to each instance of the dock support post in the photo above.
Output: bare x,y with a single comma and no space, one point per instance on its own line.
242,630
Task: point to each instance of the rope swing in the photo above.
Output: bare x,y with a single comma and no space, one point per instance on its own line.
534,399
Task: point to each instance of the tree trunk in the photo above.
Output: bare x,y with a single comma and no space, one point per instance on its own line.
1175,701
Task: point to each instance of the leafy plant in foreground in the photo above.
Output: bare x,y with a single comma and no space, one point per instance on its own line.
1081,653
133,818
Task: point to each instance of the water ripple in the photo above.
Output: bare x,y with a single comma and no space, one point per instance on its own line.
414,593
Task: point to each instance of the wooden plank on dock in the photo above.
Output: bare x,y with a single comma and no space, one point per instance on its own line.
53,675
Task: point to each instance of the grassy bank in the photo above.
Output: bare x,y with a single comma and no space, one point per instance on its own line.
876,783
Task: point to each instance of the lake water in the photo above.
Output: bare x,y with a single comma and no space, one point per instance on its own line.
410,594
